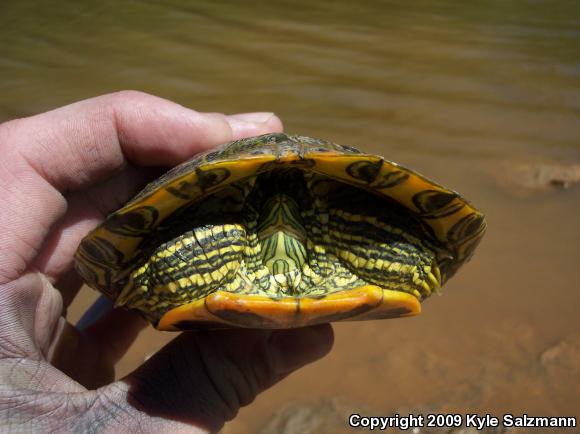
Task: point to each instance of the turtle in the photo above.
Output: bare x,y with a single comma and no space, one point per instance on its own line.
280,231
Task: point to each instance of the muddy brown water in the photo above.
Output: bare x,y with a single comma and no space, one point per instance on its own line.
458,92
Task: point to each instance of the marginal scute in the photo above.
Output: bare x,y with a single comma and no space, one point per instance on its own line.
436,203
96,261
93,278
135,223
101,251
352,313
464,236
365,170
211,177
389,178
204,180
250,319
467,227
185,190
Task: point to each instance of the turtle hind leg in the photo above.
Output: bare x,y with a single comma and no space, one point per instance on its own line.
383,254
185,269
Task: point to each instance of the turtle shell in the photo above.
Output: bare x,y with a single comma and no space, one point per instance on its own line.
280,231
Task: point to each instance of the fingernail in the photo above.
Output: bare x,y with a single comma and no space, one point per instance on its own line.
295,348
256,117
251,124
241,128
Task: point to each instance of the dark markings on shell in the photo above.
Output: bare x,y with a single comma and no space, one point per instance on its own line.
248,318
366,171
391,179
103,256
205,180
91,276
375,173
211,177
343,315
434,204
184,190
468,227
135,223
103,252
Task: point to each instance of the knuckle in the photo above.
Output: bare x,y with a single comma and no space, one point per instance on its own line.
131,96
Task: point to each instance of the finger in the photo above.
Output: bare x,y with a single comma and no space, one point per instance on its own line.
203,378
81,144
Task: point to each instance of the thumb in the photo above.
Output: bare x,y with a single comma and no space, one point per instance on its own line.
203,378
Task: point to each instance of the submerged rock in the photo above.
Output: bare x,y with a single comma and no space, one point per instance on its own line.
523,179
563,358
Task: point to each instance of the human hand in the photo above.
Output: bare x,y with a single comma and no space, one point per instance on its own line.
61,173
